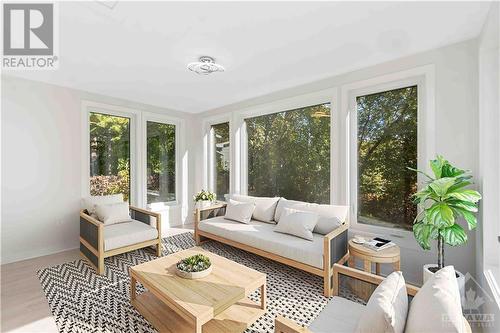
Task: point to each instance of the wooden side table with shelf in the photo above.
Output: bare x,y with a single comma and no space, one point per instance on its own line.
359,251
216,209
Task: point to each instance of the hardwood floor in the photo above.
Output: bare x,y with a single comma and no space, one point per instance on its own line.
24,307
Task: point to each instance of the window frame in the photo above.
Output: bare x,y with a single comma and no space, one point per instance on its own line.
162,119
138,151
209,152
288,104
118,111
423,78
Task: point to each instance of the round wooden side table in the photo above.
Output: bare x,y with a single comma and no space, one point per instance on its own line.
368,256
387,256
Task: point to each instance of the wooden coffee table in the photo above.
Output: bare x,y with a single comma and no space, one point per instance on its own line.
216,303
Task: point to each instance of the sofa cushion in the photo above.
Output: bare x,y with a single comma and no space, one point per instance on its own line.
297,223
331,216
239,211
262,236
339,315
436,307
113,213
127,233
89,203
387,307
264,207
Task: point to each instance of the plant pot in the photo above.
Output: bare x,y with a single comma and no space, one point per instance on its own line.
203,204
460,277
193,275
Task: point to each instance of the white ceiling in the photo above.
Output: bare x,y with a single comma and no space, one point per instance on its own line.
139,50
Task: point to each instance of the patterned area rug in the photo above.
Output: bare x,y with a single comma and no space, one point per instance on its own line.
82,301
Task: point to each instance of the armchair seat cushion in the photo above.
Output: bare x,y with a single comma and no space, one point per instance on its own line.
261,235
127,233
339,315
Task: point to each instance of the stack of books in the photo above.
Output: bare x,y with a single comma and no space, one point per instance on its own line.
378,244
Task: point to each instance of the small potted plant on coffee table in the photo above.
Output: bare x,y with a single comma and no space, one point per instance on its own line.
194,267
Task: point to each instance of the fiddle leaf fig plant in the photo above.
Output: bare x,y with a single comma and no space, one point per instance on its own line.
443,200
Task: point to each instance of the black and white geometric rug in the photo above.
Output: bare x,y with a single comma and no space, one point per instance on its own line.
82,301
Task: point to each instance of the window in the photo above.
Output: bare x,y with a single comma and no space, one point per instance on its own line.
160,162
220,149
289,154
109,154
386,147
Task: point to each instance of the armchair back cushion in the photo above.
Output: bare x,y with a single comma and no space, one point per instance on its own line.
265,208
89,203
330,216
437,307
113,213
387,307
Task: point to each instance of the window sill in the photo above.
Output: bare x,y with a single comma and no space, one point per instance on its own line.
492,275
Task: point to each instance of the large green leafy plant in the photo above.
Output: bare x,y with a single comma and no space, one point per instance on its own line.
443,200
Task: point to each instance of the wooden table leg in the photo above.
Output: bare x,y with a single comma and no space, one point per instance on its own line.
397,265
351,262
132,288
367,266
263,296
377,268
198,326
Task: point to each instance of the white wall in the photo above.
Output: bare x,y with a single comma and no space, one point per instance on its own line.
488,249
41,166
456,124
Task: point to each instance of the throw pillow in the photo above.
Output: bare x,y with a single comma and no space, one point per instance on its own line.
387,307
113,213
264,207
436,307
91,202
239,211
297,223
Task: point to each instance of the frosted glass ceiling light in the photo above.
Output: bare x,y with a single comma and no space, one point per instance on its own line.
205,66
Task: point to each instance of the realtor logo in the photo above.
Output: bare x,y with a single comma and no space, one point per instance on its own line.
28,36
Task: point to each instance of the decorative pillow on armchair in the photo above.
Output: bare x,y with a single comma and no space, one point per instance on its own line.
113,213
90,203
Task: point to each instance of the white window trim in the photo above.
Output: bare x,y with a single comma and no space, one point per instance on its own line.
424,78
288,104
209,153
179,124
135,132
138,152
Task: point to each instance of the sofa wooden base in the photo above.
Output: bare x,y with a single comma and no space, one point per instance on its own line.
326,272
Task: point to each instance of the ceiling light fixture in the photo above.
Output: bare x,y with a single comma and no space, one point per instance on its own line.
205,66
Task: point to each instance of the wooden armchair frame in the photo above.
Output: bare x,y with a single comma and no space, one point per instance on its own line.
285,325
334,249
92,237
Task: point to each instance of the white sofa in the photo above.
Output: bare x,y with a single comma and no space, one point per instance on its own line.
329,244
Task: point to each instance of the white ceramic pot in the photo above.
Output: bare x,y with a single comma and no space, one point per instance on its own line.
193,275
203,204
460,279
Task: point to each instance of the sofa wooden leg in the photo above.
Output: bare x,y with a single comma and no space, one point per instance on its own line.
158,250
100,268
327,284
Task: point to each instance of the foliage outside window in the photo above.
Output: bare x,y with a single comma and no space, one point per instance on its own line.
160,162
289,154
387,146
220,137
109,155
